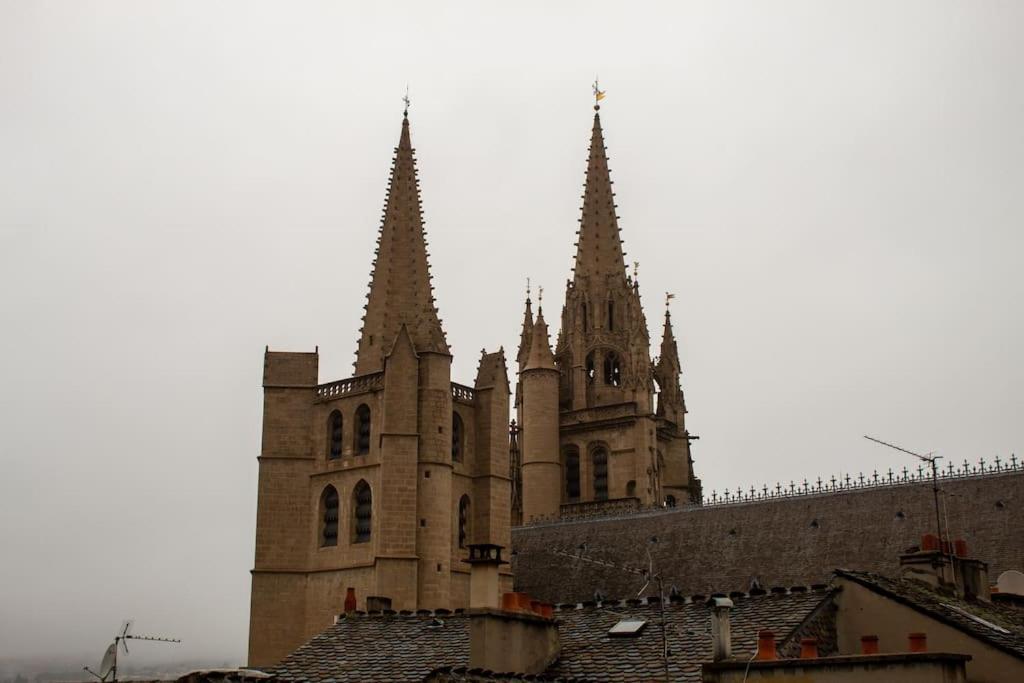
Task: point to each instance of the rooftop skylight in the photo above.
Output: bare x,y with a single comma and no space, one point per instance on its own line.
627,628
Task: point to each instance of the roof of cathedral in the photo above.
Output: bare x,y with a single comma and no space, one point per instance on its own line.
1001,626
540,357
400,289
599,252
408,648
779,541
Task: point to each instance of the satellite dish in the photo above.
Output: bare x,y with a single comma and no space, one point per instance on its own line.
1011,581
109,659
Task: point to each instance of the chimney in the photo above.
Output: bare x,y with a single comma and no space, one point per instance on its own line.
721,631
766,646
869,645
350,600
945,566
484,560
917,642
505,634
808,648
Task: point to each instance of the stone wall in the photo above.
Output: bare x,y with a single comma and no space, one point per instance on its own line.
788,541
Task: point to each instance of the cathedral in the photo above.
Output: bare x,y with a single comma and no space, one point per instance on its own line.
372,487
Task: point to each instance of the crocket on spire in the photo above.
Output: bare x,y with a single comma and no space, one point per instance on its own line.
400,289
599,251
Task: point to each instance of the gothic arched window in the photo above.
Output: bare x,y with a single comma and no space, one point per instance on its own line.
334,433
600,458
463,521
611,316
612,369
583,310
329,517
572,473
362,429
590,367
362,512
457,437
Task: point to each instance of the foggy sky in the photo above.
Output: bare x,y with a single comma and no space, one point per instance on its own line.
833,191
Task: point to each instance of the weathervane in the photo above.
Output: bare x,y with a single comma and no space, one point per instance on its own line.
636,269
406,100
540,295
668,297
527,288
598,94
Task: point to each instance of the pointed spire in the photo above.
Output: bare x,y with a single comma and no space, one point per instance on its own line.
669,350
400,289
599,250
540,357
526,335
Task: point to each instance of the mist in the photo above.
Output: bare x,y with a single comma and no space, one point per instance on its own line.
833,191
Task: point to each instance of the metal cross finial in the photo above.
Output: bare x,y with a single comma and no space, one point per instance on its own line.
540,295
636,269
527,289
406,100
668,297
598,93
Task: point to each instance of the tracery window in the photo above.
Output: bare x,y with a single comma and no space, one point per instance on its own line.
457,437
600,458
362,512
572,473
329,525
612,369
334,434
362,429
463,521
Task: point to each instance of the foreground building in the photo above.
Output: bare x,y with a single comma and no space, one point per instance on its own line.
377,482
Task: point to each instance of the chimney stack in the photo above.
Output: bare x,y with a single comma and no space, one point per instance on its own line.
721,631
507,632
945,566
350,600
766,646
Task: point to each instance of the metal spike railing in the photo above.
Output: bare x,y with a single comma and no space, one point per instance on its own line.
847,482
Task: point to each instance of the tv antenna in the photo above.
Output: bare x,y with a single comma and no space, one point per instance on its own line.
931,459
108,666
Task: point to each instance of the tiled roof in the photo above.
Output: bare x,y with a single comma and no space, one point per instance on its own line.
960,614
407,648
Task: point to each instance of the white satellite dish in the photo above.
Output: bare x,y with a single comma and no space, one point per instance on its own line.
108,667
109,660
1011,581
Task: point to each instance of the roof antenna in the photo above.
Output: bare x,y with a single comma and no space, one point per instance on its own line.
108,666
931,459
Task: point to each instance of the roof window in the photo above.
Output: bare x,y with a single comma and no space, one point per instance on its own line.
627,628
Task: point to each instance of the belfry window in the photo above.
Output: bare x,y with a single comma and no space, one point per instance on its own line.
457,437
362,508
334,433
572,473
612,370
463,521
611,316
329,505
590,368
583,314
600,458
362,429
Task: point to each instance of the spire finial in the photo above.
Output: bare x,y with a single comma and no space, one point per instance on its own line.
636,270
527,288
668,297
598,95
540,296
407,101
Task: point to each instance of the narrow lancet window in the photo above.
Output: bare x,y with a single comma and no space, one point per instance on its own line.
457,437
334,434
600,458
572,474
463,521
362,429
362,512
329,526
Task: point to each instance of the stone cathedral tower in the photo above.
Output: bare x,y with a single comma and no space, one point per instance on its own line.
379,481
601,423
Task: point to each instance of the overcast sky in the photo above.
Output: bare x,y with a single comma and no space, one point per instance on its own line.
833,190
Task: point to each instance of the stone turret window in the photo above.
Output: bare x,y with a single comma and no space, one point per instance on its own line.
463,521
329,527
334,434
362,429
362,509
612,370
458,438
572,473
600,458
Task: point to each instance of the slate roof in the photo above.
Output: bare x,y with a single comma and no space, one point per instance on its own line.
780,542
928,601
408,648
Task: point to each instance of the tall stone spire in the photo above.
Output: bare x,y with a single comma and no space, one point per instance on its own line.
400,289
669,357
599,249
671,404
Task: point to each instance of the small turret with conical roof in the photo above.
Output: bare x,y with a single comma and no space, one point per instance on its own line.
541,469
